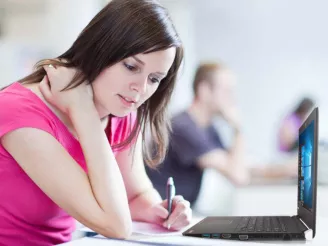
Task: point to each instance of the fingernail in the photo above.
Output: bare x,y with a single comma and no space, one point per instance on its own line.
168,226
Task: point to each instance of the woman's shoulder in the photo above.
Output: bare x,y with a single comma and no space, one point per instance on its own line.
18,99
20,107
17,94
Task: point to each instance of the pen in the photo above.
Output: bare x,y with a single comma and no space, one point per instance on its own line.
170,193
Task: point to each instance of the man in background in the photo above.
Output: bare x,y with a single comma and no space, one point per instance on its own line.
195,144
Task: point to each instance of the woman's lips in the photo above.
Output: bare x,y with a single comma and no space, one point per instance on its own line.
127,101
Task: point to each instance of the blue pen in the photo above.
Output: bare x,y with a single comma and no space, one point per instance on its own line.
170,193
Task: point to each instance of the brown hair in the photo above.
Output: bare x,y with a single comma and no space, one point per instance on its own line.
204,74
304,107
124,28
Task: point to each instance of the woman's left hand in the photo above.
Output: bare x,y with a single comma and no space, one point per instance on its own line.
179,218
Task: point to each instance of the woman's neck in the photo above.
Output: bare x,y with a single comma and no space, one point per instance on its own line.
63,117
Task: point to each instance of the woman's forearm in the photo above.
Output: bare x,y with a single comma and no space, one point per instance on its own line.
103,172
143,201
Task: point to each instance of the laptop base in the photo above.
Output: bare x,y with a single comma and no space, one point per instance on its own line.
259,237
250,228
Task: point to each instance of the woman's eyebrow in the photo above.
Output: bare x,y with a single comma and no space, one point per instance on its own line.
143,63
160,73
138,60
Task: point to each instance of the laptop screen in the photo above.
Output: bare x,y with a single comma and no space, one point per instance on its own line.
305,167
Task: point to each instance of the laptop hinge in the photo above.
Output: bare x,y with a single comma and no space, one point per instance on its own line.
304,223
308,234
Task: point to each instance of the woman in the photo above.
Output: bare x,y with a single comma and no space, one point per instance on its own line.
56,161
288,131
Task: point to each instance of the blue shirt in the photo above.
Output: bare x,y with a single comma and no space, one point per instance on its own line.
188,142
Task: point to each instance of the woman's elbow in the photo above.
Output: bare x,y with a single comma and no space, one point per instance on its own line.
119,230
124,232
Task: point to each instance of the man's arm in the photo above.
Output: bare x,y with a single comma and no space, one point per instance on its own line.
286,169
227,162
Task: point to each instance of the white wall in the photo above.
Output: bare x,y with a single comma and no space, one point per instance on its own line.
46,30
181,12
277,48
20,31
63,28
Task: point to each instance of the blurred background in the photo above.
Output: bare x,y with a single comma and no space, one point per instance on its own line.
277,50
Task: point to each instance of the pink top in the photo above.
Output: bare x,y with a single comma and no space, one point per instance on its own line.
295,122
27,215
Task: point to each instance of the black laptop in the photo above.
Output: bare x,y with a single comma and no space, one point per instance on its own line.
299,226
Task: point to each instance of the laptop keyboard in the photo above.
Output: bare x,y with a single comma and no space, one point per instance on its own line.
262,224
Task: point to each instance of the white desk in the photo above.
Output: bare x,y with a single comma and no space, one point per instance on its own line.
320,239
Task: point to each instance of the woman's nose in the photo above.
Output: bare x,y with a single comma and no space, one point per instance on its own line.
140,86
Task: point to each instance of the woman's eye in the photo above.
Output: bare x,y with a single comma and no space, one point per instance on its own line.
129,67
154,80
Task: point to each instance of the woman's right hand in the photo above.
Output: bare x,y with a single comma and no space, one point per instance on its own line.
57,79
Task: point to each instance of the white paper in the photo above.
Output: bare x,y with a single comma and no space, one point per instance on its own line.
146,229
100,242
183,240
153,230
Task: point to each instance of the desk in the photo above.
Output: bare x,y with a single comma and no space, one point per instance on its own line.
320,239
259,198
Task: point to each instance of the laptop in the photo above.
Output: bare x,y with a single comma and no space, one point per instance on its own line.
298,226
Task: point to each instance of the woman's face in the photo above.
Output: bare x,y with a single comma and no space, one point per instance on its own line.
123,87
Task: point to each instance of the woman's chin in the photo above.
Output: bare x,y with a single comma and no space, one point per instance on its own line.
121,113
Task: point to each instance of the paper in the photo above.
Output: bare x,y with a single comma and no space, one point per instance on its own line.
101,242
146,229
183,240
153,230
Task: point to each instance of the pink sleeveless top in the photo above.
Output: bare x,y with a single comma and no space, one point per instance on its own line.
27,215
296,123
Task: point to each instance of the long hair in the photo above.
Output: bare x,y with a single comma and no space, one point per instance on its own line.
124,28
